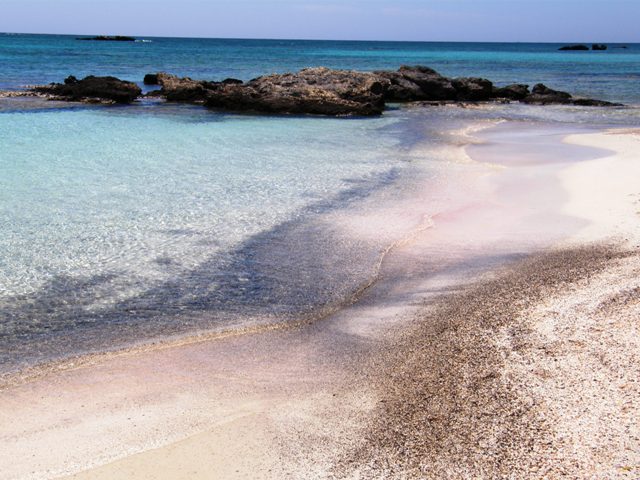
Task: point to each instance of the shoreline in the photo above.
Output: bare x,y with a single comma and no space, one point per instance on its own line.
402,230
302,384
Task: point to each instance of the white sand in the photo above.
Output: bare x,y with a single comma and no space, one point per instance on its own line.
606,191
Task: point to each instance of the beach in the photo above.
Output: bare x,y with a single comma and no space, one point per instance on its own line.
498,338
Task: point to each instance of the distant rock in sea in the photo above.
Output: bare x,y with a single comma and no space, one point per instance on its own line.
598,46
108,38
574,47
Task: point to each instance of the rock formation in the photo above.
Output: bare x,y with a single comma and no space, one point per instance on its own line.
315,91
543,95
516,91
319,91
92,90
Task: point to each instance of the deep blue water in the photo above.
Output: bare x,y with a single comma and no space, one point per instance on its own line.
120,224
613,74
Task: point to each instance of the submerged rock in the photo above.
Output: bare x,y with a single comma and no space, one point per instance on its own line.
91,89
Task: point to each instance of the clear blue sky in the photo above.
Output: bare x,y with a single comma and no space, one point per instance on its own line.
456,20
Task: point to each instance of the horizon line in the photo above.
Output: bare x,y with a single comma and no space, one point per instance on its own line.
142,37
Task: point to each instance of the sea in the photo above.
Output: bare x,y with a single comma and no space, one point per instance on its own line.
123,225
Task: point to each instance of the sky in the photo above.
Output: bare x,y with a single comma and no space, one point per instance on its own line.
419,20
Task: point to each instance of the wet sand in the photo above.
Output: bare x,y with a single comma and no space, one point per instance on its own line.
401,384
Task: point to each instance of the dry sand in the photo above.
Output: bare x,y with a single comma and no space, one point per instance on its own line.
530,372
531,375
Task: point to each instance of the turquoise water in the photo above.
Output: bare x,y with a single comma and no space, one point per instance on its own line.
126,223
33,59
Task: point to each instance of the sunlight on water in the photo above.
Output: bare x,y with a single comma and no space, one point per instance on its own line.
145,196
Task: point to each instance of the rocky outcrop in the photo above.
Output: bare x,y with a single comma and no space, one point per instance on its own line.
315,91
543,95
150,79
417,83
473,89
318,91
91,89
598,46
516,91
176,89
342,92
574,47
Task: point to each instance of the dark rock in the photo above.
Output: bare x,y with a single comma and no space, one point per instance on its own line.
151,79
417,83
543,95
91,89
590,102
542,89
473,89
109,38
574,47
598,46
516,91
153,94
400,89
232,81
176,89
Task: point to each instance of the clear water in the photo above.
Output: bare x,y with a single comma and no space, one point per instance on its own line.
125,223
